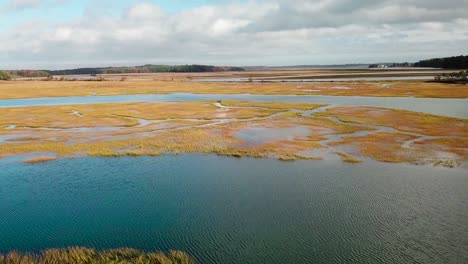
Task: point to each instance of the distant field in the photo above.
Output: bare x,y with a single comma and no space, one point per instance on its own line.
31,89
256,74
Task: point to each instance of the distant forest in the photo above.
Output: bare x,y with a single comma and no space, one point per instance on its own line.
457,62
146,69
27,73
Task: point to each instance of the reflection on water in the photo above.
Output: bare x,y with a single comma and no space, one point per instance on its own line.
260,135
226,210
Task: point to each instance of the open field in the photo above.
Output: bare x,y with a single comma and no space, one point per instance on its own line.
31,89
285,131
259,73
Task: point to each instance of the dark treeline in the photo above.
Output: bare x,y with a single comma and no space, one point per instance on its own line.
453,77
457,62
4,76
391,65
76,71
28,73
146,69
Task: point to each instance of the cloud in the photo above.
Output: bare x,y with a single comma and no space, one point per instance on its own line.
247,33
23,4
145,11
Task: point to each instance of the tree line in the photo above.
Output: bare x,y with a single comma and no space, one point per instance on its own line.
456,62
146,69
453,77
7,75
4,76
391,65
149,68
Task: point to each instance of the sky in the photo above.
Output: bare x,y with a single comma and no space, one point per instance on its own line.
57,34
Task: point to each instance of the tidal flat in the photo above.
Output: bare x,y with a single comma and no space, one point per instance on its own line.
286,131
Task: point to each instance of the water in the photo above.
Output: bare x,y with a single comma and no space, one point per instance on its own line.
388,75
437,106
227,210
298,79
260,135
5,138
389,78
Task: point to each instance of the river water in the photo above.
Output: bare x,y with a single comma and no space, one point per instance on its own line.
228,210
437,106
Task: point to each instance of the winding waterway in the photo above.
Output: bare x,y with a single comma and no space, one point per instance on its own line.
437,106
227,210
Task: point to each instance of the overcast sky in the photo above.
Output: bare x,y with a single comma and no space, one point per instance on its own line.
56,34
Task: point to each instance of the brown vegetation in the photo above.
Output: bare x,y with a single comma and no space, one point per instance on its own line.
348,158
135,129
30,89
80,255
39,159
401,120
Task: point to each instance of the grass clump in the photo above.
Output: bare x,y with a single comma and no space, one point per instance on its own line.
39,160
348,158
4,76
447,163
80,255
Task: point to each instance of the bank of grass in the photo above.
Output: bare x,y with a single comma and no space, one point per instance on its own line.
39,159
319,122
119,114
386,147
458,146
31,89
81,255
348,158
218,141
402,120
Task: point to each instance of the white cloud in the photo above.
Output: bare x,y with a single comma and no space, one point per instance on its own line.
145,11
14,6
224,26
23,4
257,32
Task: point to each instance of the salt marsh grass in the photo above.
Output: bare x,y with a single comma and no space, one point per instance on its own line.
80,255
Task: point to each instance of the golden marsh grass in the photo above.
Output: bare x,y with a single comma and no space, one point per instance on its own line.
204,127
39,159
81,255
30,89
